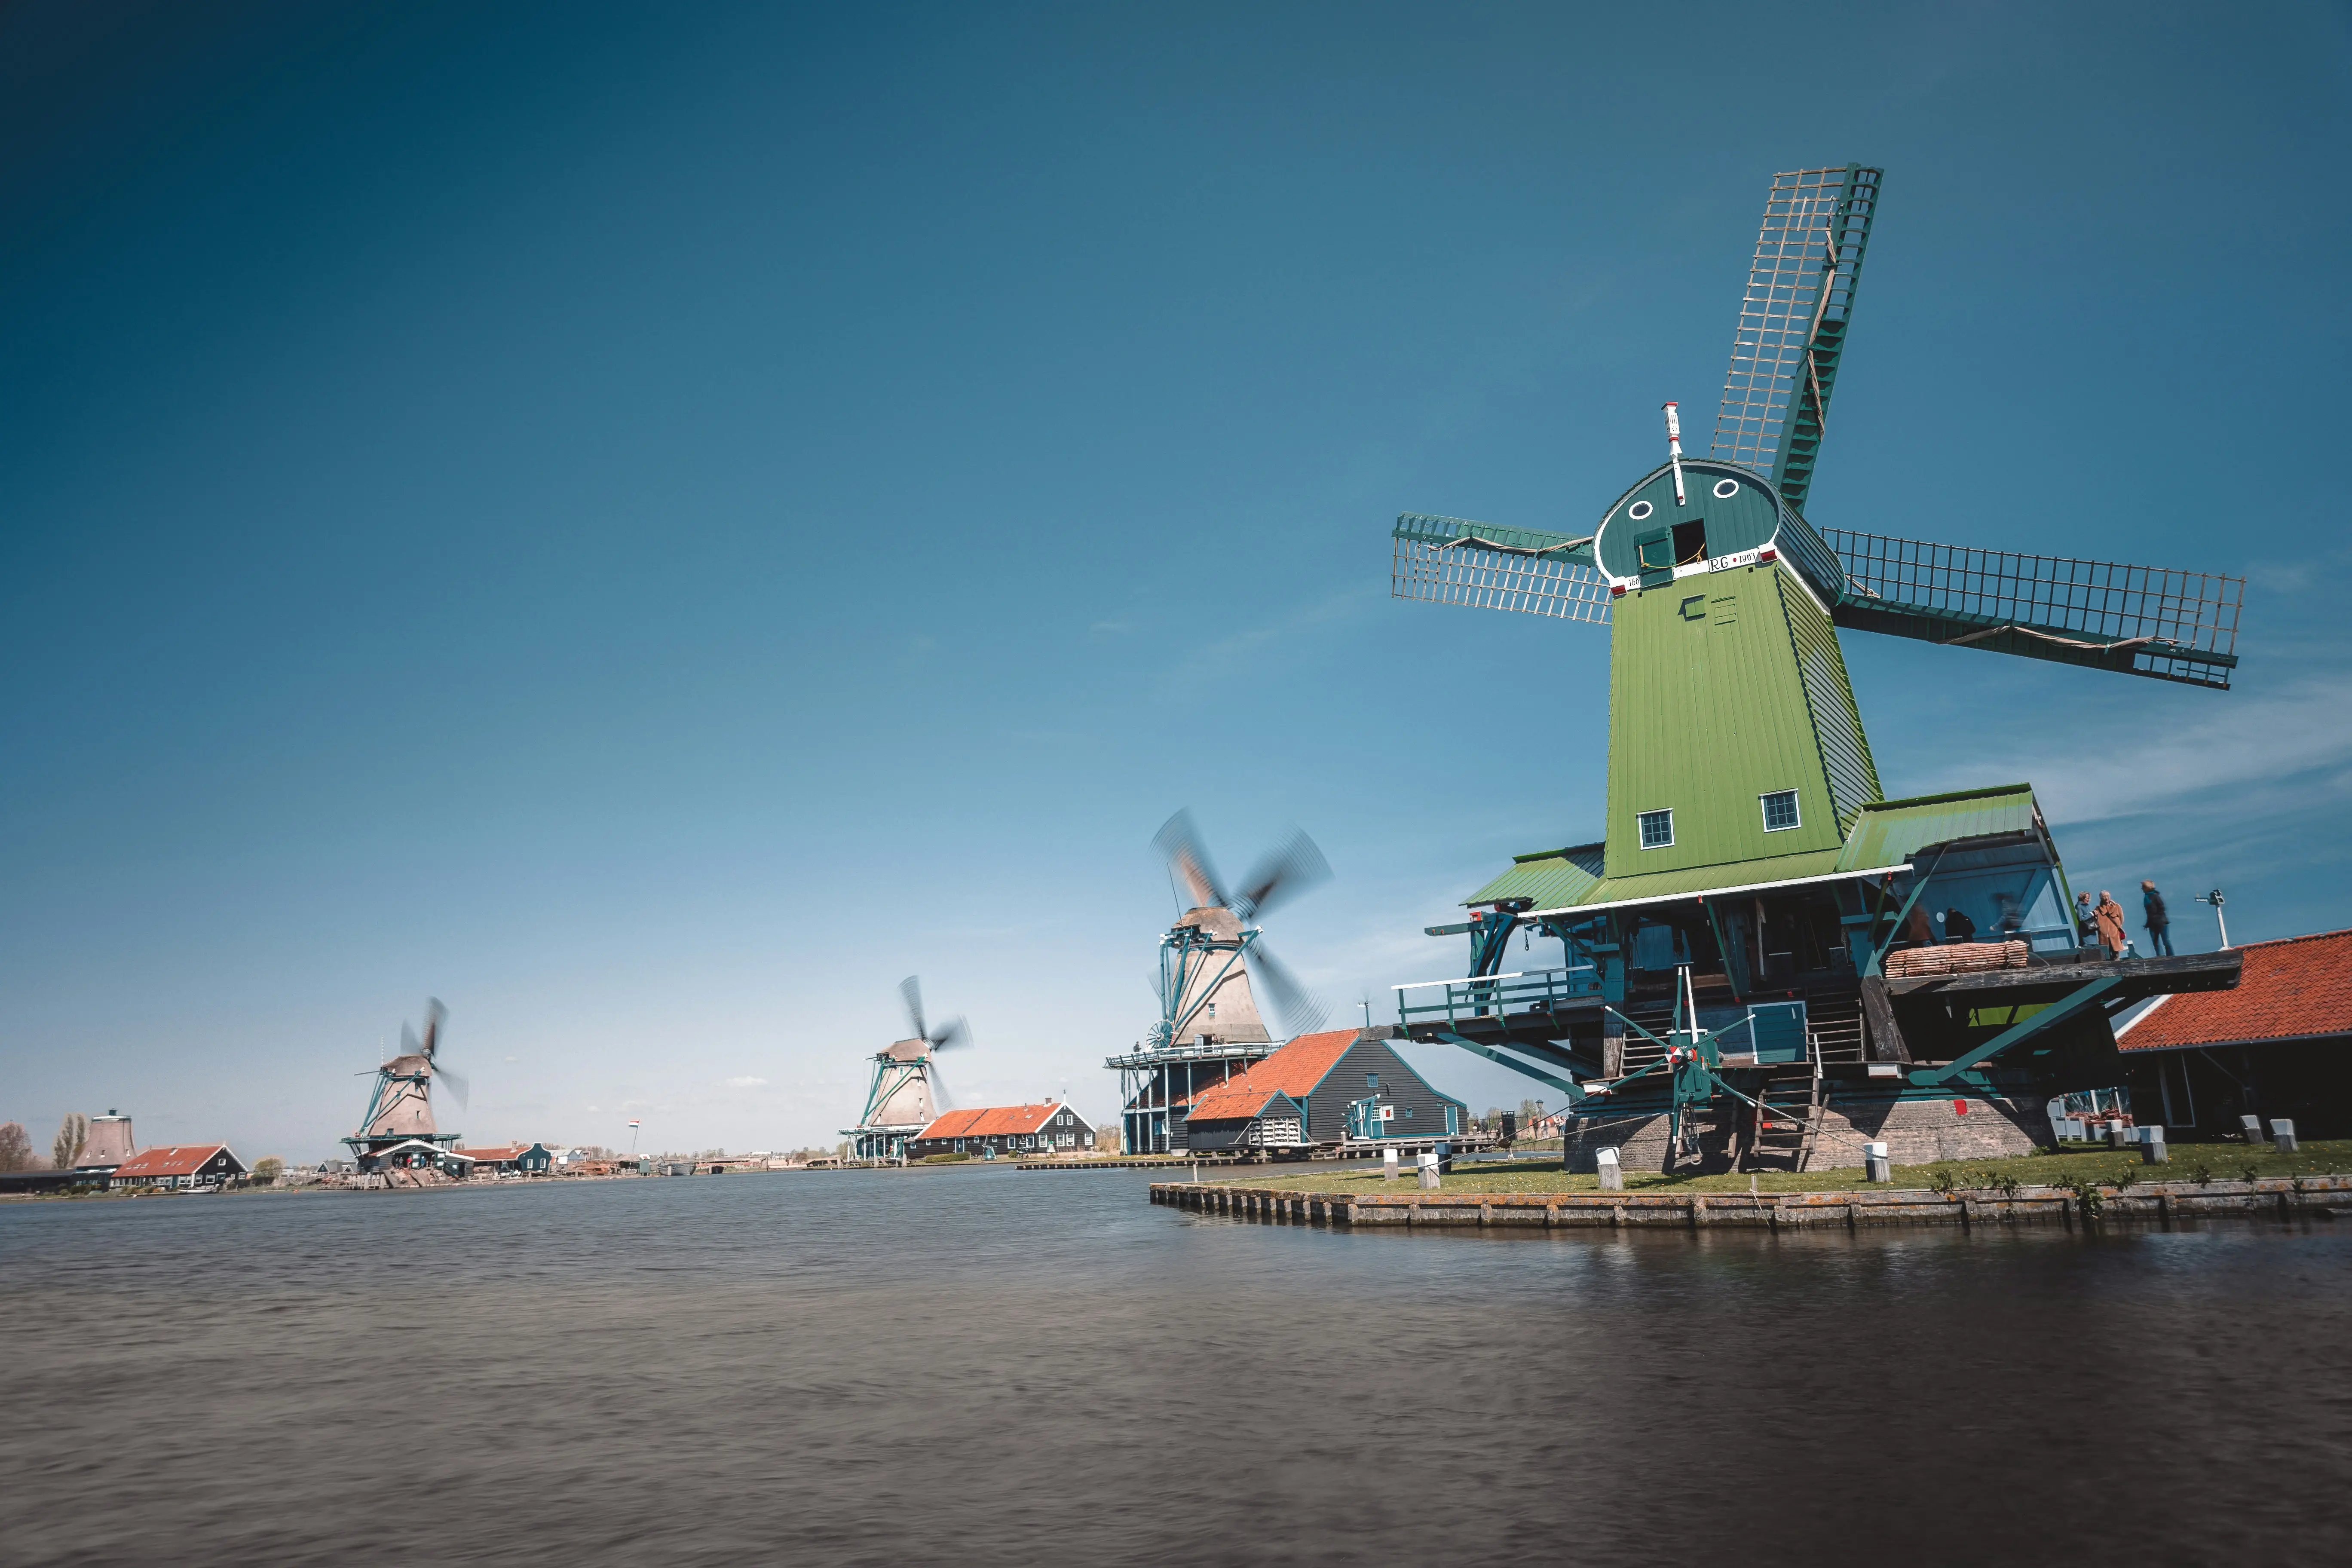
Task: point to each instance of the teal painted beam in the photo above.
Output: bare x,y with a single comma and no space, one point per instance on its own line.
2065,1008
1572,1089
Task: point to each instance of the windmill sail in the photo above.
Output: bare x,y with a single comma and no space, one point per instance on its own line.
1452,561
1792,323
2137,620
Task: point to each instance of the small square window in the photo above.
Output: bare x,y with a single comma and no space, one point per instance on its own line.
1371,1080
1657,829
1780,811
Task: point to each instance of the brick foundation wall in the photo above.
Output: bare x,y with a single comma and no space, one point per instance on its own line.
1916,1132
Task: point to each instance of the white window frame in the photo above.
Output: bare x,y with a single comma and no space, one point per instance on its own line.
1764,806
1640,819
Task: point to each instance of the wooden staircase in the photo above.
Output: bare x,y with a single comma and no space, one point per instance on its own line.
1834,1020
1658,1017
1791,1123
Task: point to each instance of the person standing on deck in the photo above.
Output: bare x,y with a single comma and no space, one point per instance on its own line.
2159,924
2110,918
2086,925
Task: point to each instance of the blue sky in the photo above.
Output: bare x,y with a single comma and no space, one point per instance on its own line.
652,524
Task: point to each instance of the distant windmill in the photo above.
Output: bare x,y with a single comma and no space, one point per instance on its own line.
400,1111
907,1092
1208,957
1211,961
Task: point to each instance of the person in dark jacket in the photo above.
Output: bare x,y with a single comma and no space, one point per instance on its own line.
2159,923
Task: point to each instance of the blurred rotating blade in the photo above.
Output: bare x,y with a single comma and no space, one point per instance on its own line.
1296,1008
953,1033
1179,838
911,991
433,1013
408,1046
941,1098
1282,873
457,1084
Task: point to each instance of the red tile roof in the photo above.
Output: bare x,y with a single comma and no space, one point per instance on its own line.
1239,1100
506,1154
1294,1070
179,1160
993,1122
2292,989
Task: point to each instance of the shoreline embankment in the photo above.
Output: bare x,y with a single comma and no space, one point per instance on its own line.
2321,1197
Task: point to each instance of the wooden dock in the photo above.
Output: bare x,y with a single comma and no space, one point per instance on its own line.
2283,1198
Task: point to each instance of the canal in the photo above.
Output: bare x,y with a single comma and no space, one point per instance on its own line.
982,1366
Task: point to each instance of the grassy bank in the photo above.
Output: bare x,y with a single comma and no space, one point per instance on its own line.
2076,1162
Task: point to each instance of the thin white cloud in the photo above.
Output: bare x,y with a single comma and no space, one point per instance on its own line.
2238,743
747,1083
1239,651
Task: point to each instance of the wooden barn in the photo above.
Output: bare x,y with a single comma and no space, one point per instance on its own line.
179,1165
2278,1046
1318,1089
1032,1131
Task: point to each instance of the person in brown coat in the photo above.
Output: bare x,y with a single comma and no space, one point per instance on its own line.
2109,916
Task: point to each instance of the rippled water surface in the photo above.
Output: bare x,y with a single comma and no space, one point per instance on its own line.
983,1366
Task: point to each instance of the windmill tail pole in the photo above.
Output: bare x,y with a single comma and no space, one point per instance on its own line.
1675,450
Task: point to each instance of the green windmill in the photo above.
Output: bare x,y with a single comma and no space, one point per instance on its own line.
1857,967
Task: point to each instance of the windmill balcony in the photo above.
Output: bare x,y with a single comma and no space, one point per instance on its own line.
1427,1002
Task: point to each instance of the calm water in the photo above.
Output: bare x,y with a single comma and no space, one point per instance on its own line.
981,1367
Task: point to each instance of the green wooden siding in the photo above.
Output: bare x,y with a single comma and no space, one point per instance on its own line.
1552,879
1892,831
1707,712
1708,879
1846,765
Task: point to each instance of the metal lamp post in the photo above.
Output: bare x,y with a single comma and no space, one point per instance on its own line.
2214,899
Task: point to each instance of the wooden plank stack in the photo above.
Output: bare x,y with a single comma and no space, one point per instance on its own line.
1955,957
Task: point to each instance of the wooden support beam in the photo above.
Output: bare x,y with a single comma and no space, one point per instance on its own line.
1886,1043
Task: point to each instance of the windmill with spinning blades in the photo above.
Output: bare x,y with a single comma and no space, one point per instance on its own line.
1213,962
398,1129
1764,957
907,1092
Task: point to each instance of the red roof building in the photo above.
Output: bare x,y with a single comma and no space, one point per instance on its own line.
179,1165
1307,1092
2278,1046
1047,1127
2298,989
